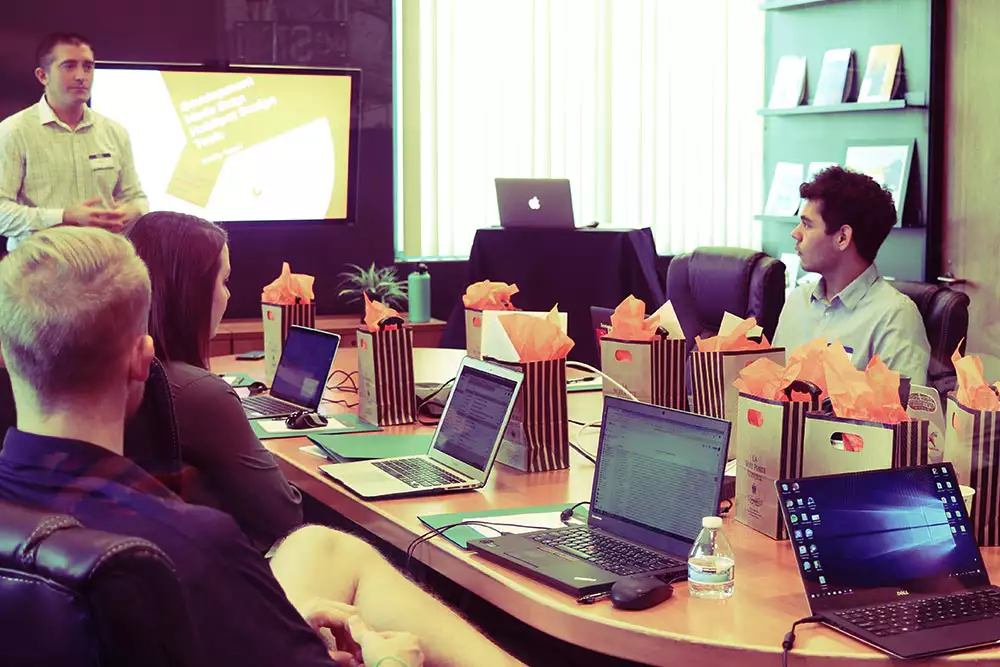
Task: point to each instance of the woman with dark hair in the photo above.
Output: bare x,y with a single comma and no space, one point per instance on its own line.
188,261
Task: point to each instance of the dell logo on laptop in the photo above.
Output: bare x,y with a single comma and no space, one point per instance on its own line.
899,593
534,204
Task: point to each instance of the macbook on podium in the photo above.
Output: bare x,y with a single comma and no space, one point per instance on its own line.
463,448
889,557
659,472
535,202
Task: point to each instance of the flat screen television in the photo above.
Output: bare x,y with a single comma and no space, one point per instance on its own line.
239,144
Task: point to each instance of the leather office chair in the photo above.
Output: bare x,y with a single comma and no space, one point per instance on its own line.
75,597
946,318
710,281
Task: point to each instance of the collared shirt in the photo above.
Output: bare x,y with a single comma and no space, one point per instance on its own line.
238,610
47,166
869,317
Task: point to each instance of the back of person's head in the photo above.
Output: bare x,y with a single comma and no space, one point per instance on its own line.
183,255
854,199
43,55
74,303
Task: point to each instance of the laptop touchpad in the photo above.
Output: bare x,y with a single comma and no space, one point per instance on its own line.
541,557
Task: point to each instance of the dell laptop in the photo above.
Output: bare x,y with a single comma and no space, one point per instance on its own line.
300,379
659,472
889,558
535,202
464,445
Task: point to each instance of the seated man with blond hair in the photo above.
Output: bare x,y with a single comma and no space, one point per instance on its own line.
74,303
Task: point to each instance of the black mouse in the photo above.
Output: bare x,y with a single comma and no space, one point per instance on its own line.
639,592
305,420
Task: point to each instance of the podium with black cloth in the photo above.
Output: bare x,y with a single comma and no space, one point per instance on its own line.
574,268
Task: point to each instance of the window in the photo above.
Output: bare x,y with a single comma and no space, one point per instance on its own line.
647,106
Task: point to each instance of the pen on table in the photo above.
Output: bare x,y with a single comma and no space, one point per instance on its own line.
593,597
585,378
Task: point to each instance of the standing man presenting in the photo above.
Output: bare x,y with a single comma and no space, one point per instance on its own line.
60,162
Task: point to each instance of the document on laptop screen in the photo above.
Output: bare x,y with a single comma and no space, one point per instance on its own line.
471,425
657,473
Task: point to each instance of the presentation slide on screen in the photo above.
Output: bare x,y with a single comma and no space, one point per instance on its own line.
235,146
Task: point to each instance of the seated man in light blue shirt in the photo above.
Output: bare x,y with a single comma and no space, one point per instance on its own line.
843,222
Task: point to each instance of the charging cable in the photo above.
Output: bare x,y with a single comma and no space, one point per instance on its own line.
587,367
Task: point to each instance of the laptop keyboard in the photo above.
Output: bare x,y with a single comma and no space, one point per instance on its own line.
899,617
418,473
266,405
607,553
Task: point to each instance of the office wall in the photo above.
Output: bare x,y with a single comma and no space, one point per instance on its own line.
352,33
972,206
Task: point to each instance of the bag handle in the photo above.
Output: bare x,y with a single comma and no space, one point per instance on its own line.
395,320
805,387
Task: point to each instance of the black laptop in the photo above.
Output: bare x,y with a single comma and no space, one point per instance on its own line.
300,379
659,472
889,558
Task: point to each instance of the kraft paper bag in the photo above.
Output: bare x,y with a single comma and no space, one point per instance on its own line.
537,435
972,445
474,333
277,319
834,445
386,390
771,435
652,370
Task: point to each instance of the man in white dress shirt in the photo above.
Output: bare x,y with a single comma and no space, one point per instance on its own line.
843,223
60,162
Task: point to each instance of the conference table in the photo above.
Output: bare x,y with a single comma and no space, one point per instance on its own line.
745,631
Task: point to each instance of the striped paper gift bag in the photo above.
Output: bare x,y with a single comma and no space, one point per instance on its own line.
537,436
834,445
386,392
972,445
653,371
277,318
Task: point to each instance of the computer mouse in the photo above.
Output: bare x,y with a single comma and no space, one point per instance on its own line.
637,593
298,420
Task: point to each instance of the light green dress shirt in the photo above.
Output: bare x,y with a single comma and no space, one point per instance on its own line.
868,317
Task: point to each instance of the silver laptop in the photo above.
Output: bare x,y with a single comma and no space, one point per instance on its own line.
300,379
535,202
463,448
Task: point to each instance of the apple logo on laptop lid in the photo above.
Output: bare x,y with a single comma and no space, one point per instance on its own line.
534,204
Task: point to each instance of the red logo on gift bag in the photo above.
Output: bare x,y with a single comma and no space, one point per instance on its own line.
477,322
623,355
364,344
270,315
755,418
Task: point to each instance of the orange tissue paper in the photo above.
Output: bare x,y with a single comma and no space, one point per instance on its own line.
376,312
869,395
764,378
629,321
736,340
289,288
487,295
973,392
536,338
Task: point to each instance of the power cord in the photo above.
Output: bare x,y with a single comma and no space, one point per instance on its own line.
587,367
348,384
425,402
789,641
567,513
340,401
583,452
434,532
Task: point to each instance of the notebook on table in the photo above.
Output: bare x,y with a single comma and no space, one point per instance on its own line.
889,558
659,472
300,379
464,446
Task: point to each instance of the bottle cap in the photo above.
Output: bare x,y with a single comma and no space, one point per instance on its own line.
711,522
421,268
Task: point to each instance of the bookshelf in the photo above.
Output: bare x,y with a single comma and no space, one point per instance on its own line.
808,133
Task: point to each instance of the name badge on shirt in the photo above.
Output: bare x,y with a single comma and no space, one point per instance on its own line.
102,161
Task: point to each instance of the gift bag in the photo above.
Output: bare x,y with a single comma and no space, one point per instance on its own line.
770,435
277,319
972,445
834,445
474,333
712,377
537,436
652,370
386,392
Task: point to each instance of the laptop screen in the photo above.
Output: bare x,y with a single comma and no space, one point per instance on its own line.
658,469
871,537
475,416
305,362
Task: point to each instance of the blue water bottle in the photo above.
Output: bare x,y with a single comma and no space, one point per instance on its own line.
419,288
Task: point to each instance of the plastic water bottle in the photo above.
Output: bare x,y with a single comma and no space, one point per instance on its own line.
418,285
711,565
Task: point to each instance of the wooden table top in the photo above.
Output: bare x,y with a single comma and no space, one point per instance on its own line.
743,631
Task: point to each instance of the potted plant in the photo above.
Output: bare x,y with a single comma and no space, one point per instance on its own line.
381,284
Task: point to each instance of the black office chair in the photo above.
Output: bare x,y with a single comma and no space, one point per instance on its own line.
946,318
75,597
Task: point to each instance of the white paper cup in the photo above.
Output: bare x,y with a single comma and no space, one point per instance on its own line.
967,493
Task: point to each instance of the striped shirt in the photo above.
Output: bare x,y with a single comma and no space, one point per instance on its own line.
46,167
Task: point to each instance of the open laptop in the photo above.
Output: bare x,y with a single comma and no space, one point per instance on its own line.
300,379
659,472
464,445
535,202
889,558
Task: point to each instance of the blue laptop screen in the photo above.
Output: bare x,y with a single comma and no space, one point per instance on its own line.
868,537
305,362
474,419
